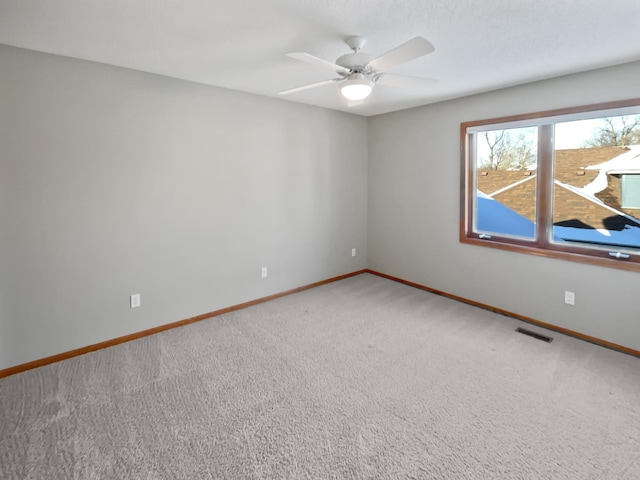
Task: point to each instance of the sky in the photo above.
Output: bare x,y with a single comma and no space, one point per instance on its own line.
574,134
567,135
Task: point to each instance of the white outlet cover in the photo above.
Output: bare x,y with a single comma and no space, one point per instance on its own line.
135,300
570,298
264,272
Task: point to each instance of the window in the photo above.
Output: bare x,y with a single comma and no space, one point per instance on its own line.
630,186
562,184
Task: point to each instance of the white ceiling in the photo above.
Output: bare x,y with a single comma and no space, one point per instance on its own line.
241,44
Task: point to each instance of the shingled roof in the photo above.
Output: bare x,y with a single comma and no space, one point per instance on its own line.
574,206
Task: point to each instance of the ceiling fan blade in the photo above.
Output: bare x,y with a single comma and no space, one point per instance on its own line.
307,58
306,87
405,81
414,48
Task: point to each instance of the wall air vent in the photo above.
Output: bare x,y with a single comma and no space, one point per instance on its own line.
539,336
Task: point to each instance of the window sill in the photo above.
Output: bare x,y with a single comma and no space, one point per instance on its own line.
574,256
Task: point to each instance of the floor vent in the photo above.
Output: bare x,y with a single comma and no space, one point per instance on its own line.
539,336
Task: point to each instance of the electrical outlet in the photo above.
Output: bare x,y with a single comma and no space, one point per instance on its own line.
353,252
135,300
569,298
264,272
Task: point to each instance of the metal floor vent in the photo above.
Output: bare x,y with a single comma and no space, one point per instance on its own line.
539,336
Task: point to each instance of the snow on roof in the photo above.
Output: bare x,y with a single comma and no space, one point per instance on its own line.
515,184
628,162
590,190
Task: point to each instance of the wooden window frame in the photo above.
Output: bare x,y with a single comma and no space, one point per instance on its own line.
541,246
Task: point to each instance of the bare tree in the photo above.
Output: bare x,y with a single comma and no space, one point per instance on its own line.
507,151
616,131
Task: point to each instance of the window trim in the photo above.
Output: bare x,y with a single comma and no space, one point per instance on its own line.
541,246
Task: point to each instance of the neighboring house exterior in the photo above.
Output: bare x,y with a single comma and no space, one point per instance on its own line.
594,188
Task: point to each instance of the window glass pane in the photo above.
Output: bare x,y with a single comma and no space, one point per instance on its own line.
631,191
596,191
506,162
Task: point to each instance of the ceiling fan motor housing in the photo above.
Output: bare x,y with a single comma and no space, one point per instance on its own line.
356,62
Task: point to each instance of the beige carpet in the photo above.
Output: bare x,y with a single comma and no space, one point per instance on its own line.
359,379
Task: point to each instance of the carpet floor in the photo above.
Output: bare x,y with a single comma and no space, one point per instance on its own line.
364,378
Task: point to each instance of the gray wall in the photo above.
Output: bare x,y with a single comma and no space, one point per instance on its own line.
414,177
117,182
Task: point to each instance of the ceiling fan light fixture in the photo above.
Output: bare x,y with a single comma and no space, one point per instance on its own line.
356,87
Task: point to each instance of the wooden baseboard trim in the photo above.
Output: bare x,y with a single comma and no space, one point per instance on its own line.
532,321
145,333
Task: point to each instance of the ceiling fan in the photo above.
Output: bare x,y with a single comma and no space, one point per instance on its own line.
358,72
